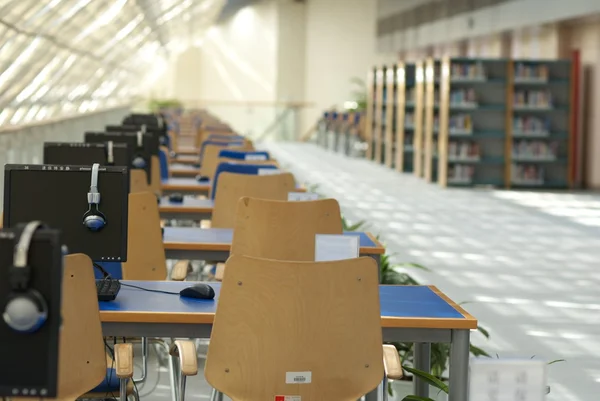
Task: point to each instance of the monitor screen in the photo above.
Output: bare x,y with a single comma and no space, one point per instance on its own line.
82,154
30,360
57,195
131,140
150,120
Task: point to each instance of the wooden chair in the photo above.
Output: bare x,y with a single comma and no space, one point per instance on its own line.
138,181
211,160
146,258
271,320
283,230
231,187
82,357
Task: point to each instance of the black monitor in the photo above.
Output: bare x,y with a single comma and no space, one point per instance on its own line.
30,360
138,119
141,155
160,133
81,154
58,196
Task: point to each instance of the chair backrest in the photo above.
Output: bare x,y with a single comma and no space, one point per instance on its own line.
244,155
232,187
210,160
224,137
155,180
238,168
146,258
138,181
163,155
82,358
275,317
283,230
222,144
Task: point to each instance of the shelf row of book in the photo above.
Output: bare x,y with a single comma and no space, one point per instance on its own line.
473,125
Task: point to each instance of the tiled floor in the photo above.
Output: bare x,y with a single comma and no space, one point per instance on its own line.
528,262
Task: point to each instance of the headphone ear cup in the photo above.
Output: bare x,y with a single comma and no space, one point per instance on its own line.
26,312
94,220
139,162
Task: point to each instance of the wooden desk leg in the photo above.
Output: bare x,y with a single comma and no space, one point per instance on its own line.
459,365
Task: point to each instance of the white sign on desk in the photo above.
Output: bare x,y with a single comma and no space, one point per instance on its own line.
507,380
255,157
336,247
302,196
268,171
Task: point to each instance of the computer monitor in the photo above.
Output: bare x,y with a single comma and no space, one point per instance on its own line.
141,153
30,360
138,119
58,196
81,154
158,132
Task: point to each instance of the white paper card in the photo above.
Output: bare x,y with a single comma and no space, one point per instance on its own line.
268,171
302,196
298,377
336,247
507,380
255,157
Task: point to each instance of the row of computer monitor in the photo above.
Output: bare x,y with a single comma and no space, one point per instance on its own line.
89,205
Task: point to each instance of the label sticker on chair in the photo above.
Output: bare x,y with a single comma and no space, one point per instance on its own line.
255,157
330,247
298,377
302,196
268,171
288,398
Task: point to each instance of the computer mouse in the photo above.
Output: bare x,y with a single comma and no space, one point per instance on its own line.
201,178
176,198
198,291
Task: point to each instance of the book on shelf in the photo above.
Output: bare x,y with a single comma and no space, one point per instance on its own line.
527,174
533,99
531,73
467,72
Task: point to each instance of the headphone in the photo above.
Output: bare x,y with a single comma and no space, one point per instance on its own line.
94,219
26,310
110,157
138,159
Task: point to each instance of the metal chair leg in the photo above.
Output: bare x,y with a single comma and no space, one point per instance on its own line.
144,361
384,388
213,395
123,390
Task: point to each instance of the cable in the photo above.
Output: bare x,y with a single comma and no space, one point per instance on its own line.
149,290
102,270
157,376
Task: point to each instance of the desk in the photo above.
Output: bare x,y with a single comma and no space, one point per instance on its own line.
188,151
191,186
189,209
187,159
418,314
214,243
185,186
183,170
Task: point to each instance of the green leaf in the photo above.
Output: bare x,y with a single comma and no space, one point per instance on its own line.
416,398
428,378
476,351
415,265
483,331
556,361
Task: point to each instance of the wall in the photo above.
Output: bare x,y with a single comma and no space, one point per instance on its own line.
340,44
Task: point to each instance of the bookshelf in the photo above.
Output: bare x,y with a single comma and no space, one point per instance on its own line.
390,145
431,95
541,132
380,111
474,116
405,116
418,112
370,114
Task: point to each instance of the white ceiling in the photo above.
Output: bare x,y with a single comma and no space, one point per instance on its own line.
63,56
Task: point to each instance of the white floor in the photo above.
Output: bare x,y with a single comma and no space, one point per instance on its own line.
527,261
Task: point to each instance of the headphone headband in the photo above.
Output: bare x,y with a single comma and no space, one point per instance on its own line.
110,159
140,139
94,196
22,248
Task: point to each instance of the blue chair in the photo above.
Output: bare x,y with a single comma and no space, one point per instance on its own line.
244,155
232,167
164,164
